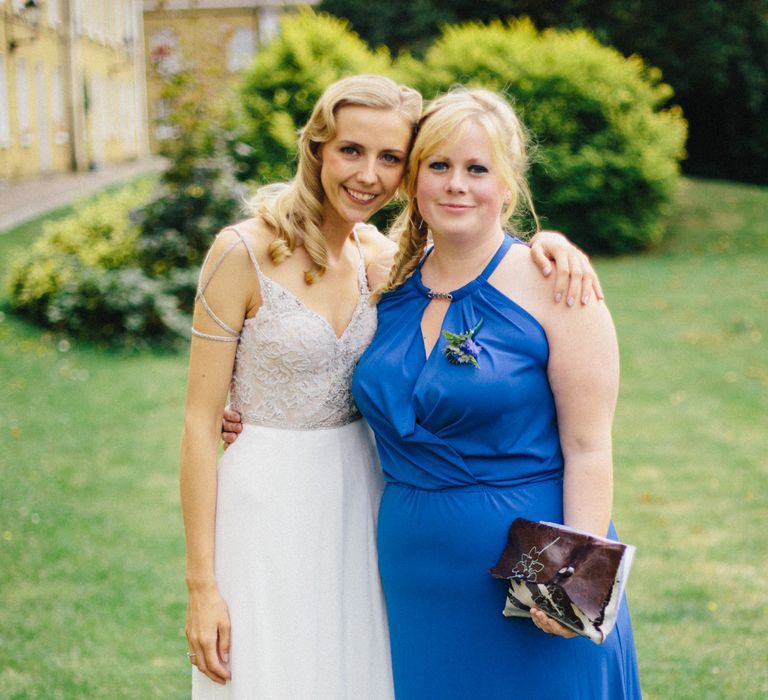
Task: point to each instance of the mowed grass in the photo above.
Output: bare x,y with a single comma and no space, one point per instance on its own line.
91,548
91,543
691,452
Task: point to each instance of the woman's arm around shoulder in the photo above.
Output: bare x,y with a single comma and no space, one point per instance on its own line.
575,278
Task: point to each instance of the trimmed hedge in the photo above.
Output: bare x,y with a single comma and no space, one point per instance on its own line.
285,80
607,151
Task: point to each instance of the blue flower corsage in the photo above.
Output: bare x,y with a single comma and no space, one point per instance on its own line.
462,348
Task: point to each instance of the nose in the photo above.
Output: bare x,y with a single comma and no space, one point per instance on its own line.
367,173
455,182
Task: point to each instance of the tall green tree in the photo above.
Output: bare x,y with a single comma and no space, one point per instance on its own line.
714,53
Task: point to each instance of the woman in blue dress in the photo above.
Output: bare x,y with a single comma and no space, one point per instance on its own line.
513,422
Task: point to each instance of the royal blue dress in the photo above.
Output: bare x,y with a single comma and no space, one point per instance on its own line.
464,451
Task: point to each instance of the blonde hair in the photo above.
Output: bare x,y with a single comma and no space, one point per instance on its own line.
294,210
445,116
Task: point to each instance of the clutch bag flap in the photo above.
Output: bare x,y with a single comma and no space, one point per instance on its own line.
574,576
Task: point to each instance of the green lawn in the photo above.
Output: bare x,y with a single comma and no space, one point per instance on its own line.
91,548
690,446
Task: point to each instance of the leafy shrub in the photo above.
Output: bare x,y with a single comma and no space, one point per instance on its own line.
283,83
607,151
177,226
99,235
123,270
117,306
199,194
82,276
712,53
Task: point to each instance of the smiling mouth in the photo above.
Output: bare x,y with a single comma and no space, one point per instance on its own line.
358,196
455,207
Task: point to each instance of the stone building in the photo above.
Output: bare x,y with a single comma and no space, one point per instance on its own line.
214,38
72,85
80,80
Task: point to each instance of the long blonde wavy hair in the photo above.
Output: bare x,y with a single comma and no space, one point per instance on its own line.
294,210
447,116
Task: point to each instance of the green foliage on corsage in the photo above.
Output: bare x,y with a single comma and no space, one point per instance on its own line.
462,348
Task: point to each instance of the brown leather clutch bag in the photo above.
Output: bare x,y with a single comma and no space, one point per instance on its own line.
573,576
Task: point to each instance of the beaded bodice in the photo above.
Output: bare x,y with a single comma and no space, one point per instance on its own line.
291,369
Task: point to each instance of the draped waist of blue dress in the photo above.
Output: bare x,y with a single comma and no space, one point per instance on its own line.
430,463
478,486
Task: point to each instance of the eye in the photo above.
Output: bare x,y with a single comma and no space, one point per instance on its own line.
349,150
477,169
392,159
438,166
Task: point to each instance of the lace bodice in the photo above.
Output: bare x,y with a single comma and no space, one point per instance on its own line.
291,370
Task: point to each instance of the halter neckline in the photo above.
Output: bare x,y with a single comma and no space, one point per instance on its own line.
469,286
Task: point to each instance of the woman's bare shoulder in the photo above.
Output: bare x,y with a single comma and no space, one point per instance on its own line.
231,256
516,265
521,280
373,241
378,251
518,278
256,234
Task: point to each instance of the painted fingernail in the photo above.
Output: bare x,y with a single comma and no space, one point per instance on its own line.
571,301
558,298
585,300
547,270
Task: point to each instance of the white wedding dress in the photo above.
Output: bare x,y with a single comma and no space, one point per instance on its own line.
298,495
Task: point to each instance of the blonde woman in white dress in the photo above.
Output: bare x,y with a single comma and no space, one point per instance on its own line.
284,598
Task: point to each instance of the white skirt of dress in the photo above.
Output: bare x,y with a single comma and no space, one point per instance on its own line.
296,563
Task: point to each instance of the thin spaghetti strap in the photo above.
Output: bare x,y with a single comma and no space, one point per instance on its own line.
251,254
357,239
202,285
424,257
232,335
496,259
362,277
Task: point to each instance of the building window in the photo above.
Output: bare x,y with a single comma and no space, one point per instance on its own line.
269,23
57,98
54,12
241,49
164,52
22,103
129,22
77,16
5,121
60,133
163,129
